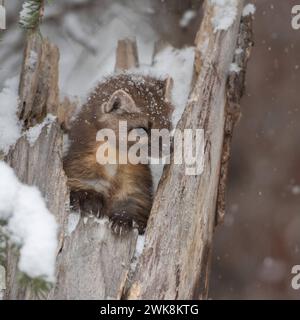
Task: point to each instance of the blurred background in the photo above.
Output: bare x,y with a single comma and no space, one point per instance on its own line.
259,242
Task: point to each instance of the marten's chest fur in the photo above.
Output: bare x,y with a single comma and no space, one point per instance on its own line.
123,192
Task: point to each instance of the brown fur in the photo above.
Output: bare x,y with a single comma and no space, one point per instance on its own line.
122,192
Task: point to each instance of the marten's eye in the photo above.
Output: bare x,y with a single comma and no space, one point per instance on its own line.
116,105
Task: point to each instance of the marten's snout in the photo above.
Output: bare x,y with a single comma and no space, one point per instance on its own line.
136,121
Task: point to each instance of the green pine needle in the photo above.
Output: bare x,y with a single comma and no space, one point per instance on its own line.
30,15
3,242
39,287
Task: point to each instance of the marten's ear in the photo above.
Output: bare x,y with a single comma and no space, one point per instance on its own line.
120,102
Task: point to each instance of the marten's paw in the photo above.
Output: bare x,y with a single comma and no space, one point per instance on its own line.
88,202
120,223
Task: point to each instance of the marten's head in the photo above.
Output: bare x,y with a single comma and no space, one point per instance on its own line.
121,107
130,94
139,100
144,102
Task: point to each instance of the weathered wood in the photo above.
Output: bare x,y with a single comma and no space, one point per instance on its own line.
169,83
93,263
235,91
176,258
2,282
127,55
38,162
39,165
38,88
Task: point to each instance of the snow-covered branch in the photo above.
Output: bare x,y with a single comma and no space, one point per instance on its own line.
29,225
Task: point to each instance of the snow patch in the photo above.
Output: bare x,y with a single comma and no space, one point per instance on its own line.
234,68
32,60
186,18
73,220
85,220
239,51
140,244
178,64
249,9
10,127
225,12
66,144
29,224
33,133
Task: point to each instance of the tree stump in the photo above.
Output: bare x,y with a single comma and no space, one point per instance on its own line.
93,263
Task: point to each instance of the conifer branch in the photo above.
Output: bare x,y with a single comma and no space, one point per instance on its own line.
31,14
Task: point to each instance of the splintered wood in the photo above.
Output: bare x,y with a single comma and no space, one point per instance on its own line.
38,163
93,262
176,259
235,91
127,55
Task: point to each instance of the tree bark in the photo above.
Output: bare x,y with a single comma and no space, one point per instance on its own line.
94,263
176,259
38,163
127,55
235,91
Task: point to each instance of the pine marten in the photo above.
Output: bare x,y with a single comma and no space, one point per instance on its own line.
123,192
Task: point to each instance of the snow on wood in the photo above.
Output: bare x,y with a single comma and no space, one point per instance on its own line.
39,163
2,282
187,17
93,262
235,91
225,13
234,68
127,55
10,127
175,260
38,88
249,9
33,133
29,224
